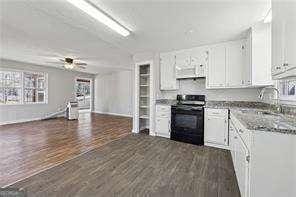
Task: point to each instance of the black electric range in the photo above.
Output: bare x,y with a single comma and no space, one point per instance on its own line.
187,119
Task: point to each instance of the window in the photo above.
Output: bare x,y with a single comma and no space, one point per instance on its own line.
18,87
288,90
34,88
10,87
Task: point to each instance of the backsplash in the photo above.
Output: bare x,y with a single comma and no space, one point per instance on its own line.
190,86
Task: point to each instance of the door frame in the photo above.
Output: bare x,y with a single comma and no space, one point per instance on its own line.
91,92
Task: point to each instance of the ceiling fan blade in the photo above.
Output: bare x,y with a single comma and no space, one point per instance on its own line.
81,64
53,62
62,60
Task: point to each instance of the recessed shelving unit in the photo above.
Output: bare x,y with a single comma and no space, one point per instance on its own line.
144,99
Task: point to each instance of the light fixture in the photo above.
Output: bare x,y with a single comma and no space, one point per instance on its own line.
268,16
100,16
68,66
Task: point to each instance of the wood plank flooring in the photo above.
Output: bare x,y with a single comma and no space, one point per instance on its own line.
139,165
28,148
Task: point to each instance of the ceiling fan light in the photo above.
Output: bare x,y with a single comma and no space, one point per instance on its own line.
69,66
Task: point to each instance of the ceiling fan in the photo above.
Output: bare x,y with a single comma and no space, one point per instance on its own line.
71,63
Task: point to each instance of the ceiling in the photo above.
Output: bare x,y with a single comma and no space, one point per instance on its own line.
41,31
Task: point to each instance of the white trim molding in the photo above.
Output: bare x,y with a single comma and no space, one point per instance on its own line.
20,121
111,113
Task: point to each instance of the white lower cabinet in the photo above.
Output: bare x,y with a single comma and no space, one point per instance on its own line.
240,158
216,127
264,162
163,121
162,127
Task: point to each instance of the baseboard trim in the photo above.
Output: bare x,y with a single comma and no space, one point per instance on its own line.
217,145
19,121
111,113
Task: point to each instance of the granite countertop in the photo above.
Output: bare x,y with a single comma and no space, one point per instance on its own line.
166,101
264,120
258,116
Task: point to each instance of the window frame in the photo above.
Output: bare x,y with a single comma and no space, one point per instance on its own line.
22,87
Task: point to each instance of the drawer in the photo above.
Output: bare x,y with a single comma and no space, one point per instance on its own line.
163,111
216,112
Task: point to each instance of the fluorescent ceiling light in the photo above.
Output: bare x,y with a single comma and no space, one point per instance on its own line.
268,17
100,16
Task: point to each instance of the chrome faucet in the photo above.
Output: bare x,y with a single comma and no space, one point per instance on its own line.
261,96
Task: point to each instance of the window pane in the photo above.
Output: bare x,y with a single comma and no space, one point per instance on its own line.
30,95
12,95
17,79
288,90
2,92
1,78
41,82
41,96
291,88
30,80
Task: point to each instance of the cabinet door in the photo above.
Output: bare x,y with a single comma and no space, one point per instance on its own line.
247,69
289,20
216,130
162,127
232,141
282,20
235,52
183,59
241,166
216,67
167,72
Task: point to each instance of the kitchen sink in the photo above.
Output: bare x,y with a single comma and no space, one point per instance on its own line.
258,112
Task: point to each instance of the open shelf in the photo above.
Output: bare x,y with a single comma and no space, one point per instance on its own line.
144,117
144,92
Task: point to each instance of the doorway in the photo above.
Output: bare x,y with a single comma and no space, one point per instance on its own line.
83,94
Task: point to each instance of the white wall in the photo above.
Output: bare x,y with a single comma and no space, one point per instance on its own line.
61,85
114,93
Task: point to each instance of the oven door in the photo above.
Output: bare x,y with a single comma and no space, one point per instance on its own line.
187,124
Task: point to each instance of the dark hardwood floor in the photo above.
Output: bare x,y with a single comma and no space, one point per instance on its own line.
139,165
28,148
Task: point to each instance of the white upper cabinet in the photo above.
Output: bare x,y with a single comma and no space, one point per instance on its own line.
235,63
167,71
216,67
283,39
258,55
